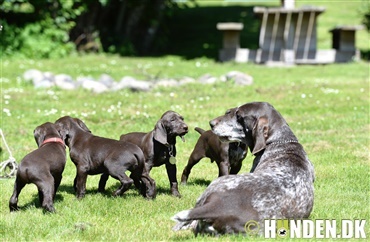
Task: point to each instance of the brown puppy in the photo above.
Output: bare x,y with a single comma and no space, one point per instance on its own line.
43,167
159,145
95,155
228,156
281,186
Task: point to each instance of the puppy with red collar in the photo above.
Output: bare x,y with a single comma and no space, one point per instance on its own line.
42,167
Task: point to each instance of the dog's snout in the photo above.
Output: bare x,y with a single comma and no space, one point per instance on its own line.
185,127
213,123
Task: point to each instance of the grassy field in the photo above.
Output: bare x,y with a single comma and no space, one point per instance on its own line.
327,107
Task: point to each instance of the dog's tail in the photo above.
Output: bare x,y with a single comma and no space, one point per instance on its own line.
199,220
199,130
183,222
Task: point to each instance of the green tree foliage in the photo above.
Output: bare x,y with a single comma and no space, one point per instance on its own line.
37,28
55,28
127,27
366,15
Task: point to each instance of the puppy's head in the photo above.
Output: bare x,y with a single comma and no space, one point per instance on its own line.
68,126
45,131
169,126
249,123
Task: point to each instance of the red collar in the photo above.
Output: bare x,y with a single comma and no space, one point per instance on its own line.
53,140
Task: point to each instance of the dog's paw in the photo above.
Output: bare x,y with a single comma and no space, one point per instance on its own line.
176,194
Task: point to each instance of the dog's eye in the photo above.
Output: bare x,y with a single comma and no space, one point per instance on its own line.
239,118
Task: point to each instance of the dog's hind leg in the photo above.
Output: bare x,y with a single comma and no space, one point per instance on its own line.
57,180
13,202
46,191
148,188
118,172
194,158
126,182
135,175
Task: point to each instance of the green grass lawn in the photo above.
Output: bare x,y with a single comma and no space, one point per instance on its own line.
327,107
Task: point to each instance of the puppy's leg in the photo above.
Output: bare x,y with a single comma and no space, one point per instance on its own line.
57,180
148,186
149,189
223,168
126,182
171,172
75,183
45,187
235,168
194,158
102,182
80,182
118,172
143,182
135,175
13,202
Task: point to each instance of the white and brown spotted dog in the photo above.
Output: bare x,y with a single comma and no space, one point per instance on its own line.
281,186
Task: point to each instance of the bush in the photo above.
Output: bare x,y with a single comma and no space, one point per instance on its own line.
366,16
43,40
38,29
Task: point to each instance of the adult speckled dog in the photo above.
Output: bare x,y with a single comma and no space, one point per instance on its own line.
43,167
281,186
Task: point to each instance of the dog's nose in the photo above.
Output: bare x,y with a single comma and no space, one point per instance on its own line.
212,123
186,128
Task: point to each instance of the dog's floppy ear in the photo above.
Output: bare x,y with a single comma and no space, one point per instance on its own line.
39,138
62,131
82,125
260,134
160,133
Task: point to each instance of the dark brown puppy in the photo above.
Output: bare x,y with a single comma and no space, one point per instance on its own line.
95,155
228,156
159,145
281,186
43,167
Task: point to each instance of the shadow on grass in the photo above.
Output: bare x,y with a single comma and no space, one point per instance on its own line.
70,190
66,188
36,203
110,189
198,182
164,190
107,193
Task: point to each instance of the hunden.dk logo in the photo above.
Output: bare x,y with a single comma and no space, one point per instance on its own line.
309,229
